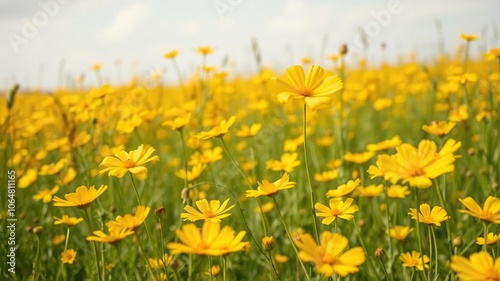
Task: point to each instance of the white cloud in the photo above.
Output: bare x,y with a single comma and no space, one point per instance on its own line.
124,20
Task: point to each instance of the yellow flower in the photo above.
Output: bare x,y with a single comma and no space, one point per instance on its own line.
192,174
287,162
440,129
213,271
246,131
313,89
210,241
129,222
271,189
385,144
417,166
160,263
397,191
178,123
479,266
428,216
358,158
68,256
46,194
171,55
205,50
281,258
326,176
67,220
218,131
59,239
28,178
329,256
266,208
96,66
370,190
337,208
52,168
344,189
492,54
115,235
124,162
491,239
212,211
206,156
468,37
81,198
414,259
400,232
459,113
489,213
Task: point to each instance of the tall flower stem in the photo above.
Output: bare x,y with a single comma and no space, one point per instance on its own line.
65,248
291,239
447,223
94,246
185,158
420,248
358,233
485,230
436,261
311,191
143,254
179,77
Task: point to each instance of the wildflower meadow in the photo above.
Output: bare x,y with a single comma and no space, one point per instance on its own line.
309,172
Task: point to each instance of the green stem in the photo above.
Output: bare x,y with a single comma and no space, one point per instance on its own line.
358,233
291,239
436,261
447,223
485,230
94,246
185,159
417,222
143,254
224,268
311,191
35,275
385,270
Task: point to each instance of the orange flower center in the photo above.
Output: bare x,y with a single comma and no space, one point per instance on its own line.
336,212
209,214
306,92
416,172
128,164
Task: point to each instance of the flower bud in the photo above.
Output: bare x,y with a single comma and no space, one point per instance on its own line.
268,243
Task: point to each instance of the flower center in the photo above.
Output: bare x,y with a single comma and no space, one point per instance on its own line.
416,172
306,92
209,214
128,164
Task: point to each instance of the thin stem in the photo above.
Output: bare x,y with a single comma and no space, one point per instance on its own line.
436,261
485,230
385,270
291,239
420,248
358,233
65,248
35,275
311,191
143,254
447,222
179,77
185,159
224,268
94,246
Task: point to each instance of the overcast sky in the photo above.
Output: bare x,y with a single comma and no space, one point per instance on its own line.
39,39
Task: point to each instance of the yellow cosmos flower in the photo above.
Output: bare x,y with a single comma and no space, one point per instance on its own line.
266,208
416,165
370,190
468,37
337,208
52,168
428,216
491,239
160,263
81,198
178,123
326,176
281,258
129,222
385,144
206,156
115,235
287,162
28,178
68,256
330,256
171,55
271,189
123,162
459,113
414,259
46,194
358,158
218,131
249,131
492,54
344,189
205,50
400,232
213,271
397,191
209,211
192,174
479,266
440,129
312,88
67,220
489,213
58,239
210,241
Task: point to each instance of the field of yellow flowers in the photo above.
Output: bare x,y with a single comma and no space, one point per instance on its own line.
307,173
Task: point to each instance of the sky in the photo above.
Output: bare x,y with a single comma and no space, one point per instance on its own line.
48,43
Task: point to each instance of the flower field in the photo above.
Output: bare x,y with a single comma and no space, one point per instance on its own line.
313,172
